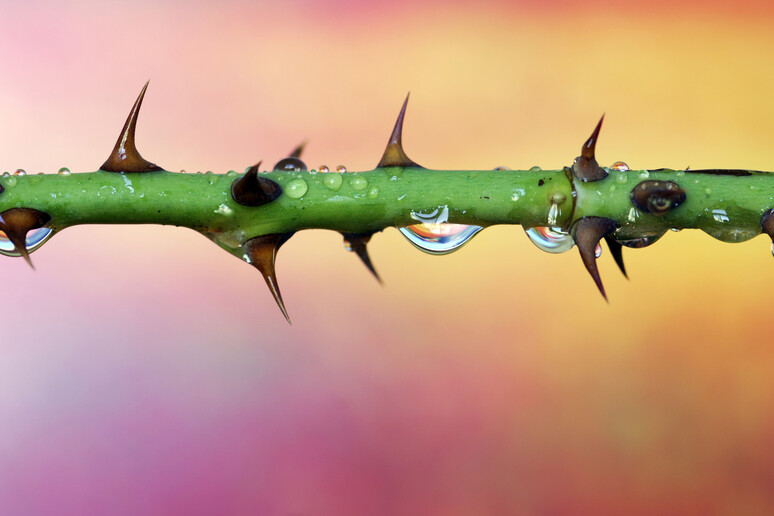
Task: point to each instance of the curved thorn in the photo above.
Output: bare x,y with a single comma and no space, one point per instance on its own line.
357,242
394,155
296,153
17,222
585,166
125,157
262,252
767,225
587,232
253,189
616,250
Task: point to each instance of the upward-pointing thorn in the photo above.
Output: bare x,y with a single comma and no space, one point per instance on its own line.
394,155
585,166
296,153
125,156
587,232
262,252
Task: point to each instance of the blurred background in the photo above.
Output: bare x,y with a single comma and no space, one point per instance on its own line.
144,370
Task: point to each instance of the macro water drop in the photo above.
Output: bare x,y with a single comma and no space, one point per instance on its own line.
341,169
323,169
295,189
64,171
550,239
290,165
35,239
435,235
620,166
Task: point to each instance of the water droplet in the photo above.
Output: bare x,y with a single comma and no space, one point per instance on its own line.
182,171
11,181
517,194
535,169
434,235
620,166
323,169
291,165
231,173
550,239
35,239
680,173
20,172
553,214
295,189
347,245
622,178
644,174
708,191
358,182
6,174
598,251
332,182
64,171
720,215
373,193
676,230
502,168
341,169
640,242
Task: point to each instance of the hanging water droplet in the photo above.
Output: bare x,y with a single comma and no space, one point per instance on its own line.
550,239
64,171
435,235
290,165
20,172
35,239
323,169
502,168
295,189
598,251
341,169
332,182
620,166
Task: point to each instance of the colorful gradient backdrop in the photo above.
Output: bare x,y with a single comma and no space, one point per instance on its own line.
144,370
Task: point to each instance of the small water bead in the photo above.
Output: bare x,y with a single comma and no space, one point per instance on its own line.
535,169
295,189
341,169
11,181
332,182
373,193
358,183
622,178
598,251
182,171
64,171
550,239
323,169
290,165
435,235
6,174
20,172
35,239
502,168
644,174
620,166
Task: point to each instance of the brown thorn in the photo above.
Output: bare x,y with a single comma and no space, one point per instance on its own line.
125,157
616,250
358,242
585,166
767,224
296,153
262,252
587,232
254,190
17,222
394,155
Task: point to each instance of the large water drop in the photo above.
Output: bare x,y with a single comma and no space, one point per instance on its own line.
435,235
550,239
35,239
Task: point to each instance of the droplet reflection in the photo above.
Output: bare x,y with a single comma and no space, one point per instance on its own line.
435,235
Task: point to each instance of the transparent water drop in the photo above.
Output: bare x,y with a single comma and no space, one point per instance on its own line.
182,171
373,193
550,239
341,169
35,239
502,168
332,182
323,169
435,235
295,189
290,165
620,166
598,251
20,172
358,183
64,171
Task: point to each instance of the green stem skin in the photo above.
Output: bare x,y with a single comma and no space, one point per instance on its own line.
728,207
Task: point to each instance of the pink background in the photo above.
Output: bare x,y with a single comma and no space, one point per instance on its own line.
144,370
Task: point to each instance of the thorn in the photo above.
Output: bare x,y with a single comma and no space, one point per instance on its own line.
125,157
17,222
357,243
253,189
585,166
262,252
296,153
616,250
767,225
587,232
394,155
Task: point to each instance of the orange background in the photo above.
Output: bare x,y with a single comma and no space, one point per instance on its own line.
144,370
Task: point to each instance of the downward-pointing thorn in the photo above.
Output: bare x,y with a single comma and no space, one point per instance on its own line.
125,157
616,250
587,232
357,243
262,252
17,222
